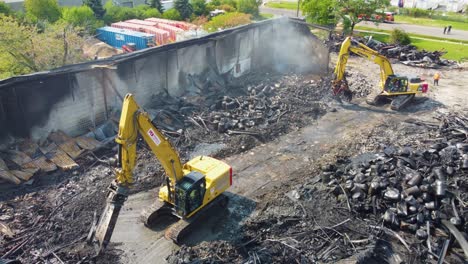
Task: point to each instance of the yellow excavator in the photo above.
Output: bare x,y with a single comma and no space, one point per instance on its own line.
399,89
190,189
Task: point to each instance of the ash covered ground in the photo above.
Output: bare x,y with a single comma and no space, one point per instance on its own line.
50,218
322,211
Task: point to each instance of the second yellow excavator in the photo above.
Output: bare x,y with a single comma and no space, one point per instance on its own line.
399,89
191,189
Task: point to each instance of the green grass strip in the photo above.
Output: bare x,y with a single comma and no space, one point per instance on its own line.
282,5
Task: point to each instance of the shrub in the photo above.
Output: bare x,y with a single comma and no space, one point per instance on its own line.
227,8
227,21
416,12
5,9
248,6
199,7
81,16
399,36
172,14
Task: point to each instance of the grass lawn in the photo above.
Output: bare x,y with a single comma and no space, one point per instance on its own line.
431,22
282,5
412,34
454,50
264,16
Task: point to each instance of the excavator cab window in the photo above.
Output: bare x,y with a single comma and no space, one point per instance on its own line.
396,84
190,193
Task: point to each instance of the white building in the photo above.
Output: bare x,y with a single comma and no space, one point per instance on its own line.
442,5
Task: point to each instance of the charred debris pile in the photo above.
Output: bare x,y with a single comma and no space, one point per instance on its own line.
48,214
262,105
406,54
421,192
396,205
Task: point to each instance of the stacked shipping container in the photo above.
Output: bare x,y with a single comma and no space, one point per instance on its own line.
118,37
161,37
173,31
180,24
162,31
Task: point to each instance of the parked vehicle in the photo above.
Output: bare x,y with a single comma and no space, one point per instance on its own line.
380,17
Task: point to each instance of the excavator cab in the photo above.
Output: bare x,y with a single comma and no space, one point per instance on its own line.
190,192
396,84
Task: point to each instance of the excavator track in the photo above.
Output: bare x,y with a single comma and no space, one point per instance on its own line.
400,101
152,215
377,100
179,230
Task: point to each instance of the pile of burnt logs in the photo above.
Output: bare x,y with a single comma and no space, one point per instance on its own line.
406,54
260,107
419,191
409,54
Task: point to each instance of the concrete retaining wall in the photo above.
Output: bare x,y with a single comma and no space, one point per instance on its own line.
77,98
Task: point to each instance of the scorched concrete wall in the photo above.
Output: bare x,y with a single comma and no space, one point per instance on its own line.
77,98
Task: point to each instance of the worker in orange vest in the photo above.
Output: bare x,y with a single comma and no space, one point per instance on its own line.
436,78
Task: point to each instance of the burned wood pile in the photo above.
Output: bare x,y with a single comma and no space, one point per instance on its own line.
263,107
406,54
397,205
422,192
410,55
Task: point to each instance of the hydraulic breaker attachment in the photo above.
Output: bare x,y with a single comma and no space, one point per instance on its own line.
101,232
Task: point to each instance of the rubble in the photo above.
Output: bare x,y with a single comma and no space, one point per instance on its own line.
404,203
417,191
406,54
50,216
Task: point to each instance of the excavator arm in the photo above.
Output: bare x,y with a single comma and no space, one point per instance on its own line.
349,45
133,121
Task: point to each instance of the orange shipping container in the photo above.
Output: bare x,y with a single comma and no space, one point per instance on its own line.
142,22
173,31
128,26
179,24
161,37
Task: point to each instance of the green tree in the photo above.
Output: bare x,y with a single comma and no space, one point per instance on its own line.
184,7
24,50
249,6
48,10
172,14
319,11
152,12
199,7
96,6
145,11
5,9
120,13
344,9
81,16
227,21
156,4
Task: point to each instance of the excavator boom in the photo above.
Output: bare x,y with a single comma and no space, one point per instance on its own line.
399,89
191,190
133,121
349,45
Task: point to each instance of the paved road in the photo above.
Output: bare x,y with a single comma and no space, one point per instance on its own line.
416,29
422,30
280,12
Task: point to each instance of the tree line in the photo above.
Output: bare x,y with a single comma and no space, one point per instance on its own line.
46,35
